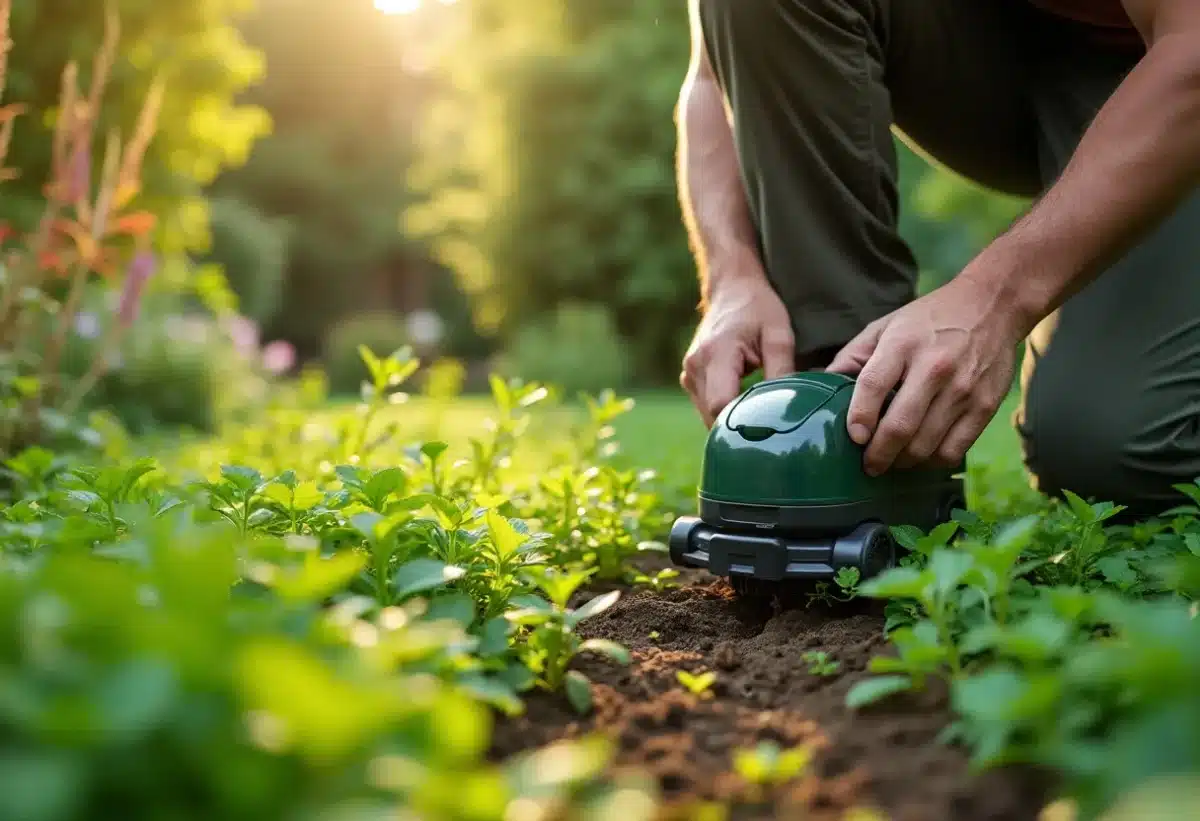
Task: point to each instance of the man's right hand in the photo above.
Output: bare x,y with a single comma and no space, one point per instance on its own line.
745,327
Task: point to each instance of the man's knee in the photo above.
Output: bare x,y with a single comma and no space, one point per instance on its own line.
1107,443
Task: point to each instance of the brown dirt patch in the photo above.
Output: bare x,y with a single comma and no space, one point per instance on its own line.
887,758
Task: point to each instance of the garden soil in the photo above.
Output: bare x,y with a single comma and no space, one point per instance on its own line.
887,758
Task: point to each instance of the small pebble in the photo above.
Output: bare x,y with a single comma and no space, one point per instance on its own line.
728,656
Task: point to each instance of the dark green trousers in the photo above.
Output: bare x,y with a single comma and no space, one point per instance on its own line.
1000,94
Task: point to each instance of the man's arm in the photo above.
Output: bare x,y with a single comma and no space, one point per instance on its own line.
1133,166
744,324
710,186
955,348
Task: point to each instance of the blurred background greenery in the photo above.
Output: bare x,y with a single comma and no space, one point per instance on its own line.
485,180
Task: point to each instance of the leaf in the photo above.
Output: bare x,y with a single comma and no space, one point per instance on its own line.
876,689
40,784
135,699
517,676
134,474
612,649
594,607
83,499
317,578
943,533
494,691
260,517
948,567
308,496
1082,510
1116,571
505,538
456,607
421,575
989,696
280,494
493,637
243,478
899,582
367,523
385,483
561,764
433,450
579,691
907,536
696,682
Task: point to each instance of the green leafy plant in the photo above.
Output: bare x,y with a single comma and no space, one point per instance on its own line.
550,643
846,580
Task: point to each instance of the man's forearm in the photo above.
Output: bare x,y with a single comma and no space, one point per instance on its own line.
712,197
1137,161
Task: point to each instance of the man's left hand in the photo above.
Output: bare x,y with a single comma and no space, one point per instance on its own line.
950,356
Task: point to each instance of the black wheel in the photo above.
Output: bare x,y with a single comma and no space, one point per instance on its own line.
951,503
870,548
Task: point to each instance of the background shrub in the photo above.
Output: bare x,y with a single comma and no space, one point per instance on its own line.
576,348
174,369
383,332
252,248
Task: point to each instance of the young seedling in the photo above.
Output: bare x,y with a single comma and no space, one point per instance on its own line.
551,643
697,684
768,765
659,582
846,581
1092,543
820,664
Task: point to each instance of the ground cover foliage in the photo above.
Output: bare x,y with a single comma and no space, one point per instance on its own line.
334,620
376,612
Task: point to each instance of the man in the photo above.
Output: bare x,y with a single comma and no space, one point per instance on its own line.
788,180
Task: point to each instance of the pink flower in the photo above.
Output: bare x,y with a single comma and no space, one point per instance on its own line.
244,333
140,270
279,356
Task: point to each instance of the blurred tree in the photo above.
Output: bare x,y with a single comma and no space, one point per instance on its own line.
252,250
561,187
549,158
204,63
343,94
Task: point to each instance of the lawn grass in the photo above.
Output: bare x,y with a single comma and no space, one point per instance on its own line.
662,432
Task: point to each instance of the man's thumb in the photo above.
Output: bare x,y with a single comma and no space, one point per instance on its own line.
851,359
778,352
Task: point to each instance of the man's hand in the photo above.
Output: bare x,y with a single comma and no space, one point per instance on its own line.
745,327
950,356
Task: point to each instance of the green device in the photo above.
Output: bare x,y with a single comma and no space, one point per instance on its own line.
783,496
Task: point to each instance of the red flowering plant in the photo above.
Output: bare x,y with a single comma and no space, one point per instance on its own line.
88,232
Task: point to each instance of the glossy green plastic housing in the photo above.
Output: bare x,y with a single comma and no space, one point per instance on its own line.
784,443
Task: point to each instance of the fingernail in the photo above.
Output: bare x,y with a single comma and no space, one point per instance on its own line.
859,433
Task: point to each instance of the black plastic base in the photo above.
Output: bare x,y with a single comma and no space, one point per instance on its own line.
812,543
869,547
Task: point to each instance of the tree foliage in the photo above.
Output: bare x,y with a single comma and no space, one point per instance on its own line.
561,188
342,95
196,51
550,155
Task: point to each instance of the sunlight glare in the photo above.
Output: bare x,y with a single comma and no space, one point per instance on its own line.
397,6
